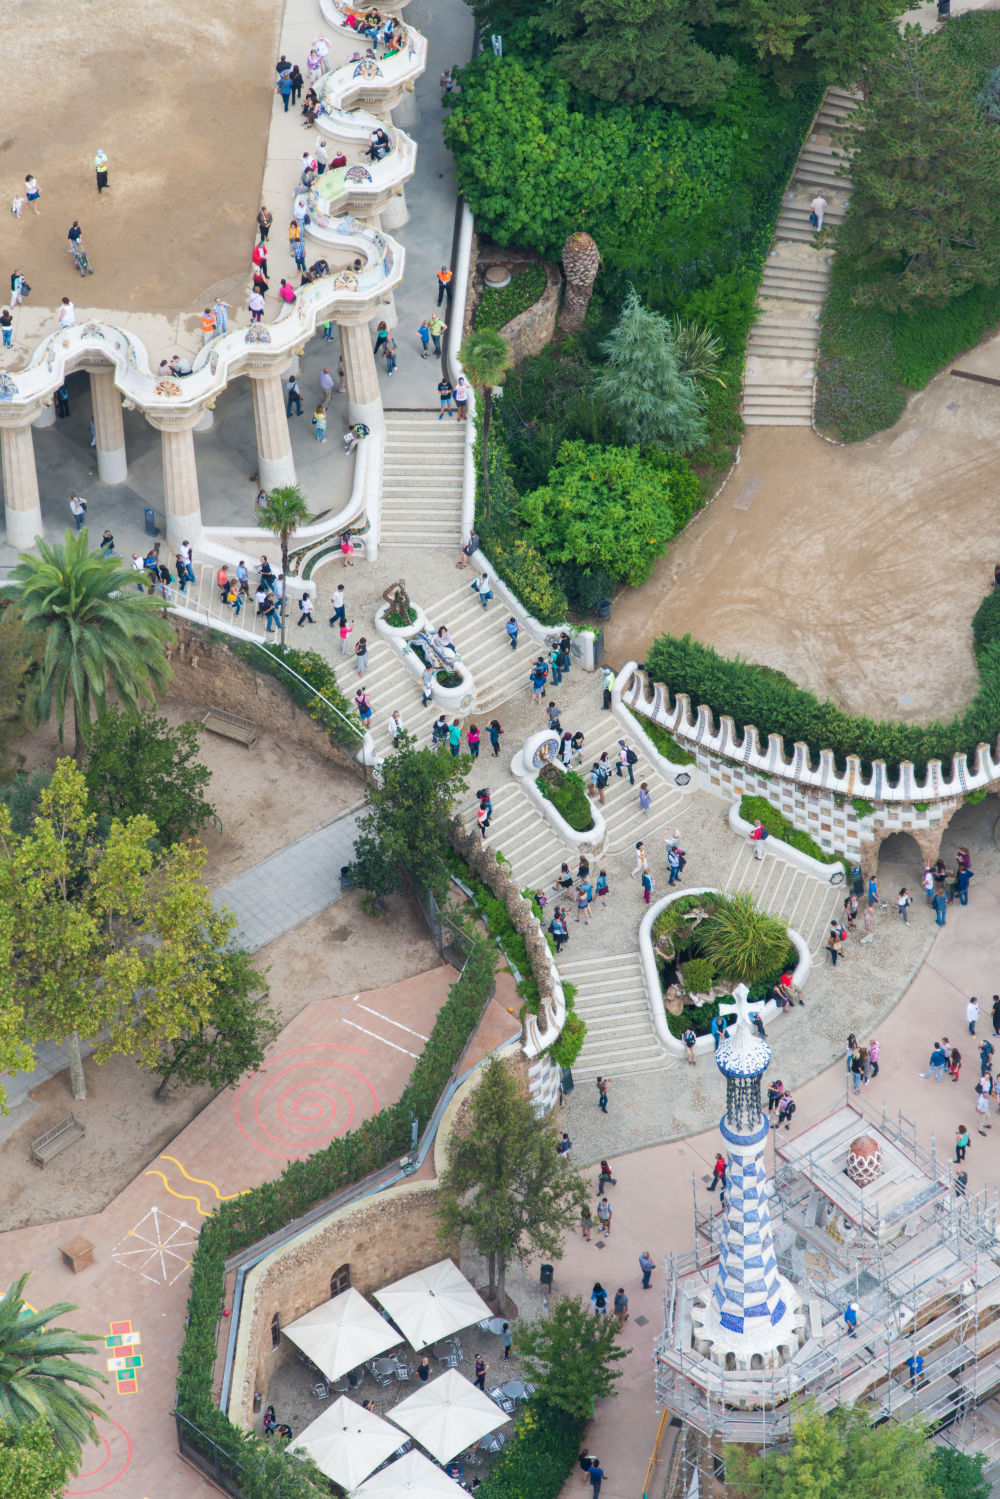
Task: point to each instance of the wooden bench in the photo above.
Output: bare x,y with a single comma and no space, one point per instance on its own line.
231,726
56,1139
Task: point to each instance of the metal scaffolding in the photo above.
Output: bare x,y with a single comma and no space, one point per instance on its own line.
925,1275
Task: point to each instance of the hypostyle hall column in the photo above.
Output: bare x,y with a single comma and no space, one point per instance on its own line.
275,463
20,484
364,402
109,428
181,501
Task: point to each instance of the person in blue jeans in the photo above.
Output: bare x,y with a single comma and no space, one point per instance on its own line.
455,737
511,628
284,87
937,1063
596,1476
940,908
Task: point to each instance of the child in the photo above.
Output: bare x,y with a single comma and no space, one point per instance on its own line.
17,204
582,903
647,886
602,887
319,422
645,800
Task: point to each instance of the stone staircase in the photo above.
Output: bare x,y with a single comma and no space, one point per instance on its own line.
519,830
626,822
806,902
422,481
611,1001
781,354
390,686
482,643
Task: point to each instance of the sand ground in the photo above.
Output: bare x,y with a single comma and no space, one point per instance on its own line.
856,570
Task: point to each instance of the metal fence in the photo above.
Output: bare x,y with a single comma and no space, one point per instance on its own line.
452,942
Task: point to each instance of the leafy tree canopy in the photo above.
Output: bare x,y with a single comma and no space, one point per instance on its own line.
610,507
742,942
18,660
799,40
643,385
923,218
569,1356
505,1182
102,936
30,1466
232,1041
138,764
405,827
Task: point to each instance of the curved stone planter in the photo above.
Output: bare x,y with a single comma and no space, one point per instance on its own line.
650,973
777,848
400,632
526,764
531,330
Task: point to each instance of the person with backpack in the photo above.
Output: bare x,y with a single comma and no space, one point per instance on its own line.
557,931
599,1297
353,436
627,759
599,780
674,865
718,1175
786,1108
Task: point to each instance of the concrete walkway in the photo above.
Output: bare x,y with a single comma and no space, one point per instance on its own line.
293,884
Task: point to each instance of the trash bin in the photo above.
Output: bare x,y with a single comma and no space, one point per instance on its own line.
545,1275
151,527
567,1080
603,608
943,9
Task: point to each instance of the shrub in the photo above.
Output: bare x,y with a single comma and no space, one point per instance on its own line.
667,744
537,1461
342,725
698,1017
565,1051
986,620
499,307
397,621
743,943
698,975
567,792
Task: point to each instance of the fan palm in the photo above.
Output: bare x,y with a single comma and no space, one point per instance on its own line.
698,351
485,358
741,941
38,1372
95,629
284,511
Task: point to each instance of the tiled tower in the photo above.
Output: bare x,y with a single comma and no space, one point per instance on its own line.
754,1315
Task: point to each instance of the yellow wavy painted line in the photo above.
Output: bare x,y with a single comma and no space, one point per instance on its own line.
184,1196
200,1180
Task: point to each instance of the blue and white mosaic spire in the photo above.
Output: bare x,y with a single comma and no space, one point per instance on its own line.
753,1310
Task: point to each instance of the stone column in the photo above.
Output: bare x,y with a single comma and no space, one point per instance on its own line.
275,464
20,485
109,428
181,501
364,402
405,111
46,416
395,213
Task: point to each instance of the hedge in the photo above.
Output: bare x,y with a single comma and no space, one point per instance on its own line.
752,694
318,673
539,1459
266,1209
567,792
758,809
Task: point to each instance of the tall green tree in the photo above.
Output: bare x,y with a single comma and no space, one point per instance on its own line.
284,513
101,936
956,1475
505,1183
923,218
743,943
485,358
569,1356
40,1376
405,827
96,631
136,763
18,656
809,41
231,1041
639,50
30,1466
643,385
832,1455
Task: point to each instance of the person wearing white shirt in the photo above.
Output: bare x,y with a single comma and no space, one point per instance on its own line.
67,313
78,508
395,726
138,566
818,207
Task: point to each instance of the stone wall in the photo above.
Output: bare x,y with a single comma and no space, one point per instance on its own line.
381,1238
534,328
208,675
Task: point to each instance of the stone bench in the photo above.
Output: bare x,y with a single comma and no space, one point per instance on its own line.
56,1139
231,726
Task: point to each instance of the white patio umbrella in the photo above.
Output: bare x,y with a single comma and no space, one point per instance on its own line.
413,1474
448,1414
347,1442
432,1303
342,1333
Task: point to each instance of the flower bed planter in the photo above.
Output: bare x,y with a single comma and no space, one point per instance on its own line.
400,632
541,749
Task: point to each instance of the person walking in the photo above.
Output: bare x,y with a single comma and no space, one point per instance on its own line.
690,1040
264,221
284,88
361,656
481,1368
18,288
648,885
255,305
647,1265
627,758
481,585
833,945
424,334
557,930
817,208
472,737
972,1014
674,864
645,800
641,862
983,1090
596,1475
339,606
325,387
507,1339
455,737
389,352
78,510
101,171
586,1221
582,903
985,1055
32,192
460,396
873,1056
936,1063
293,396
426,686
604,1215
564,1148
961,1143
902,902
602,1094
718,1175
621,1308
444,285
319,422
305,610
601,890
494,730
511,628
436,328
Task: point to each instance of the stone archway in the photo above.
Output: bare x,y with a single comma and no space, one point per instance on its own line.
901,861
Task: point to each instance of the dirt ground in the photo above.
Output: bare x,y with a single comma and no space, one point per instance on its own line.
178,97
856,570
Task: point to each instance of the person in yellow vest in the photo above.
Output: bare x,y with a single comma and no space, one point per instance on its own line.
444,285
207,326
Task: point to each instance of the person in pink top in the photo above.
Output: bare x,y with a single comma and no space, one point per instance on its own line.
873,1058
286,292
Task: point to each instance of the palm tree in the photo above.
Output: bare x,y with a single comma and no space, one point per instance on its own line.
38,1372
742,942
485,357
283,513
95,629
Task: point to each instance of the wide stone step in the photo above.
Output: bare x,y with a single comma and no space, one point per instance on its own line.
770,419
